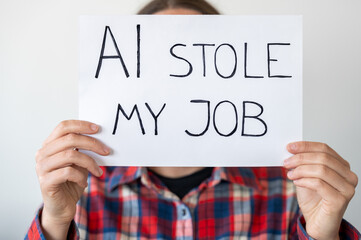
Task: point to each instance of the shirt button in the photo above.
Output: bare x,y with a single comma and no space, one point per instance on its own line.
184,212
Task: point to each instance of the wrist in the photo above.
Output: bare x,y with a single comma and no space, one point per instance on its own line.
322,236
53,229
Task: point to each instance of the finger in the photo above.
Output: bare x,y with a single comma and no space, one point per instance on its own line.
72,126
322,159
68,158
325,174
304,146
63,175
327,192
70,141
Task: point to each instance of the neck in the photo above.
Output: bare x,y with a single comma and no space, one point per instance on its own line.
175,172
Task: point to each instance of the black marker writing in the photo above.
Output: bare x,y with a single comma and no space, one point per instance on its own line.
214,119
135,109
236,119
235,60
203,45
274,60
174,55
138,51
245,63
155,117
254,117
208,118
107,28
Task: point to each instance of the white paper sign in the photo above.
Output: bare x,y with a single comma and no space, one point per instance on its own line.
192,90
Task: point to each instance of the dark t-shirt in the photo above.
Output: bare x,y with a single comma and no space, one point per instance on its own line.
181,186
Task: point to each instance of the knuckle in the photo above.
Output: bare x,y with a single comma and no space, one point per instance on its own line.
300,158
338,203
324,158
71,138
38,169
84,184
81,179
323,170
84,177
355,179
324,147
94,142
67,172
342,200
42,181
70,154
318,183
63,125
351,193
38,155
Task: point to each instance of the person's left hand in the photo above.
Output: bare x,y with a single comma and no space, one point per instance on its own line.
325,185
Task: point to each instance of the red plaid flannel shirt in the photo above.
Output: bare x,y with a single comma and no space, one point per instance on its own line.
234,203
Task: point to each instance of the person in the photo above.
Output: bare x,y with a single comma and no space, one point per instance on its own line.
305,199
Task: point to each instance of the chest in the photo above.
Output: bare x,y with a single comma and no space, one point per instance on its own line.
226,211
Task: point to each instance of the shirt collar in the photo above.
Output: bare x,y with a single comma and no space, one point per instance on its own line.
243,176
122,175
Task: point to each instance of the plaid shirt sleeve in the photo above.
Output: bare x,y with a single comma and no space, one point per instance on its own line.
35,232
347,231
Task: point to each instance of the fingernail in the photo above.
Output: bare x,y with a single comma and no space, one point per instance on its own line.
106,150
293,146
94,127
286,162
289,174
100,171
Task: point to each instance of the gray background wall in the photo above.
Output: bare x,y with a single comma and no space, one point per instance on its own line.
38,84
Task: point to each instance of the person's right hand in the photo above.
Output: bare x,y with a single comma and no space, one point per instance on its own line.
62,172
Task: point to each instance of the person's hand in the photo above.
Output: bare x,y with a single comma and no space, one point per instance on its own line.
325,185
62,172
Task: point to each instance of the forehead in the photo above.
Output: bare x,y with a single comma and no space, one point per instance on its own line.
178,11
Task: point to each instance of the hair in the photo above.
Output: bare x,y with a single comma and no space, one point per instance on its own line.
159,5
